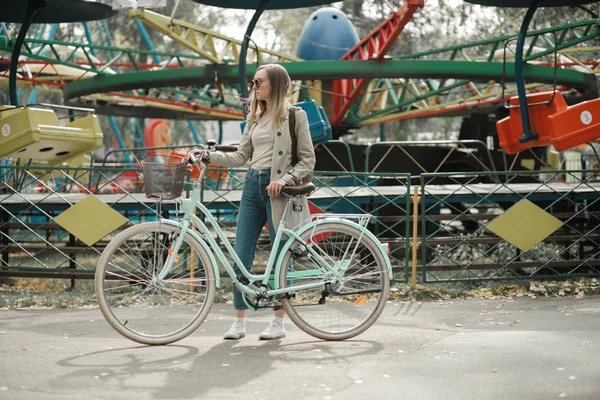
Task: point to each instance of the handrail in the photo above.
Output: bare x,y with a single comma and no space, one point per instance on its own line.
429,142
344,144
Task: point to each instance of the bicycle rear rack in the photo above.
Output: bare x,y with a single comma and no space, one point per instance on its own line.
361,219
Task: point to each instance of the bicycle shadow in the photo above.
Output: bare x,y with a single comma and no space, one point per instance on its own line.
407,308
316,351
400,315
188,372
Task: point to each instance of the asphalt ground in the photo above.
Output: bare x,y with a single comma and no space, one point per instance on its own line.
522,348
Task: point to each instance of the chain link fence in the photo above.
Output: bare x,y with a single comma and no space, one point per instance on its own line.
32,243
457,214
551,231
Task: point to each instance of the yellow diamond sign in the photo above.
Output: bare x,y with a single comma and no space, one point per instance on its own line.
90,220
524,225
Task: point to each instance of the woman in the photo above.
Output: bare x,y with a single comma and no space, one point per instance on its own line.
266,147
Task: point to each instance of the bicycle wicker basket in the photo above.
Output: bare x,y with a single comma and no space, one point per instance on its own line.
163,176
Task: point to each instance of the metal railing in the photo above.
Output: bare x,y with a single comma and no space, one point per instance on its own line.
552,231
33,243
470,146
455,232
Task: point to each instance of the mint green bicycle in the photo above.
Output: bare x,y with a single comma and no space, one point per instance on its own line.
155,282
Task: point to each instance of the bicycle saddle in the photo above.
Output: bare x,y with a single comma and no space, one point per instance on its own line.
298,190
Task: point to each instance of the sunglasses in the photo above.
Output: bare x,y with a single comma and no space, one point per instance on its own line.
255,83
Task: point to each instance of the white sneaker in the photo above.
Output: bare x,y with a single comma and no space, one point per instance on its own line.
236,331
273,331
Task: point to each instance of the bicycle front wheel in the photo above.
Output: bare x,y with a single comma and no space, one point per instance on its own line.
142,304
354,277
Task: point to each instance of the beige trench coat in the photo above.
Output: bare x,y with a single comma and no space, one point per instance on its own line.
281,166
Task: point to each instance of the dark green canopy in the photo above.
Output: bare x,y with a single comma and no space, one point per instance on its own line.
273,4
57,11
527,3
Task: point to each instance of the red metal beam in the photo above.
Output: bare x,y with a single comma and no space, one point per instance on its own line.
374,46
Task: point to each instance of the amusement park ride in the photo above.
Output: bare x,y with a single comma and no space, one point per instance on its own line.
341,80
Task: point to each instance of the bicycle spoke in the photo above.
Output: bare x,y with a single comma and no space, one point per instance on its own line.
354,264
133,297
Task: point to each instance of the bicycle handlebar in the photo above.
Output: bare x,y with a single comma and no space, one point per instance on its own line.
288,191
226,149
211,146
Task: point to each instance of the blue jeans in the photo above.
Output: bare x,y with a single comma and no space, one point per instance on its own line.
254,212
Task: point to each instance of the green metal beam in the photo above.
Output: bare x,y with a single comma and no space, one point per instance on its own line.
309,70
448,76
36,49
141,111
589,27
409,100
574,42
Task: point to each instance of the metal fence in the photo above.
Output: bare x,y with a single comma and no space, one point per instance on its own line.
34,243
31,198
508,225
468,226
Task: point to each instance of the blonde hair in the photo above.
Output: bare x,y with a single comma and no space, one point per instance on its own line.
280,83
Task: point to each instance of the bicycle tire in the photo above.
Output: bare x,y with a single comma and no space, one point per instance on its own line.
139,305
303,307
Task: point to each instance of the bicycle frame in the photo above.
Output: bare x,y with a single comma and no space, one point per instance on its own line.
191,204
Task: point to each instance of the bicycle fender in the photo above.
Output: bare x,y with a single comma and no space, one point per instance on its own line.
313,224
204,245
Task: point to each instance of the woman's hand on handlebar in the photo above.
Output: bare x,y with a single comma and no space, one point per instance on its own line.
274,188
197,155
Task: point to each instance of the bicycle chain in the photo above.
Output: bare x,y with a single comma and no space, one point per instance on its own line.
303,304
307,304
322,301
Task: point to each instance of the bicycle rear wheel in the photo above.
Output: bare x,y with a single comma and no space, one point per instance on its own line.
140,305
347,303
